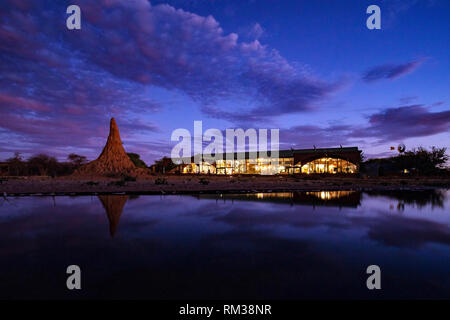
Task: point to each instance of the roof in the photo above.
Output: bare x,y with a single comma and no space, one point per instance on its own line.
281,153
328,150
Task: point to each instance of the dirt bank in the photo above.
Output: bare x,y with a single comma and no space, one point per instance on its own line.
211,184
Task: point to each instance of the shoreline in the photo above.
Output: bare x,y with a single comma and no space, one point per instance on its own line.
188,185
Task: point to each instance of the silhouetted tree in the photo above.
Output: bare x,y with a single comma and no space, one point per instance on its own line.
76,160
164,165
17,165
419,161
422,161
136,159
42,164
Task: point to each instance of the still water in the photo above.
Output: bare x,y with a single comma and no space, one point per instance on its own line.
256,246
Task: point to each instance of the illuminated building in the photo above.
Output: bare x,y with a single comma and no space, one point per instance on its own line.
294,161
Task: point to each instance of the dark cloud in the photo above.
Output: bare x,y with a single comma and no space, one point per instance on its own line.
390,71
393,124
404,122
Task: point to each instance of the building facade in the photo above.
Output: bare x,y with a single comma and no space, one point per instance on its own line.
294,161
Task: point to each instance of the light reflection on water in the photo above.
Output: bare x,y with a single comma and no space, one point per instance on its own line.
271,245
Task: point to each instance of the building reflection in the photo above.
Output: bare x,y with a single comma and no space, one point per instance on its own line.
315,198
418,198
113,205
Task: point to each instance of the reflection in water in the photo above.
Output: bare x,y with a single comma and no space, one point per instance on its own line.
242,246
419,198
113,205
329,198
319,198
328,195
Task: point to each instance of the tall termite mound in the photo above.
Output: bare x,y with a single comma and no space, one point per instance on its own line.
113,160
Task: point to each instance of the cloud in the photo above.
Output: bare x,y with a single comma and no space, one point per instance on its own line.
9,101
390,71
404,122
175,49
54,77
392,124
256,31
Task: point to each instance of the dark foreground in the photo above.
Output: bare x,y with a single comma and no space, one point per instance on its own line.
193,184
298,245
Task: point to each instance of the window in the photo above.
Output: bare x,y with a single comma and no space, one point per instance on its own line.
329,165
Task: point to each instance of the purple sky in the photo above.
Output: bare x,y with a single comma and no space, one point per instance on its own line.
310,68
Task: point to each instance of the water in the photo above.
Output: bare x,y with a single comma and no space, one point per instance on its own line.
258,246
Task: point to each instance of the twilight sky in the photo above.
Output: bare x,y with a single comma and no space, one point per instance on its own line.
310,68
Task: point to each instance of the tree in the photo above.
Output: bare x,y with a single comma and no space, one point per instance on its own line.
43,165
422,161
136,159
164,165
77,160
16,165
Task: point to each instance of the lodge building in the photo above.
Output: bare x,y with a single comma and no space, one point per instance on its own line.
294,161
